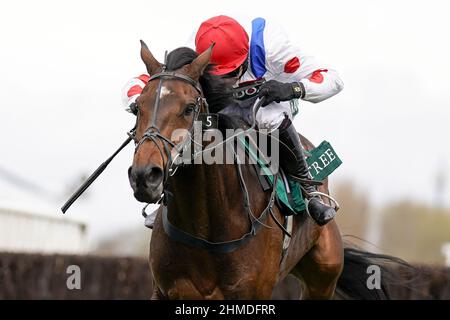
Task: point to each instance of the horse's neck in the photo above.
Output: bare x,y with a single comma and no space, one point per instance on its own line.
207,201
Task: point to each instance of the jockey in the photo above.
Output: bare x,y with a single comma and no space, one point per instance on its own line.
258,49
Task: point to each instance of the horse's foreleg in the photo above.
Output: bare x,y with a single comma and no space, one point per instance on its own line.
321,267
157,295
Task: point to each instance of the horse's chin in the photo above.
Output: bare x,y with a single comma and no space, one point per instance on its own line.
149,195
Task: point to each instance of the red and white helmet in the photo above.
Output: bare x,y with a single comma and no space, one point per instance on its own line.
231,43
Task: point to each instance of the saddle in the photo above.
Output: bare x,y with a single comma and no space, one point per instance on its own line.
322,160
288,194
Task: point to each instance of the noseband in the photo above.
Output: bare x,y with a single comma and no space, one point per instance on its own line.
153,132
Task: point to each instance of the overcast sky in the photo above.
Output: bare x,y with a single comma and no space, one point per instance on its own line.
63,65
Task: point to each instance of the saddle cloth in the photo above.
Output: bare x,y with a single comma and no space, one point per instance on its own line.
322,160
289,193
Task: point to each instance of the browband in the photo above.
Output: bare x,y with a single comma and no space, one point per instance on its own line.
179,76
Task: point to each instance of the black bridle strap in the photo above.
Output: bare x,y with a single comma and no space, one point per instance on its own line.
153,133
225,246
178,76
155,107
231,245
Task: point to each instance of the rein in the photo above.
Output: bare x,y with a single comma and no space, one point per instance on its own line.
153,134
256,223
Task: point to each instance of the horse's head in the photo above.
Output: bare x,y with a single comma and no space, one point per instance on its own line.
167,108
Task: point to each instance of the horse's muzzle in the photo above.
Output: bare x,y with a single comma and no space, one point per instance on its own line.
146,182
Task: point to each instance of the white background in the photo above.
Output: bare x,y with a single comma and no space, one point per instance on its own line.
63,65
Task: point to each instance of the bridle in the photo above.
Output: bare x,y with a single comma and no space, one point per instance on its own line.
154,135
153,132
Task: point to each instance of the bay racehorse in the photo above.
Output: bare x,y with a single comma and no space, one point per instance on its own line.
206,204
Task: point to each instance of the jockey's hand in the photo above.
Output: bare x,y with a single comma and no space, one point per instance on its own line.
277,91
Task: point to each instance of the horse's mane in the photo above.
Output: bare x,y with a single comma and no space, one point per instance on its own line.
217,93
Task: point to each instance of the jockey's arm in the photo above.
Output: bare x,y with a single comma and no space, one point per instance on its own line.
132,89
287,63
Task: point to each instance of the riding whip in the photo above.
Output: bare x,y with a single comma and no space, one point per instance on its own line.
94,175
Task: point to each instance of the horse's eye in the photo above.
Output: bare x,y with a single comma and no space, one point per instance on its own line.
189,109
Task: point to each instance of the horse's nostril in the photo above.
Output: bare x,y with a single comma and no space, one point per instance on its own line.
154,176
145,177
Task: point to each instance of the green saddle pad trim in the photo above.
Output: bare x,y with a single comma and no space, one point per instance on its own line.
297,203
322,161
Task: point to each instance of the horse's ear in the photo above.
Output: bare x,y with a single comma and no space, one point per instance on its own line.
198,66
150,62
